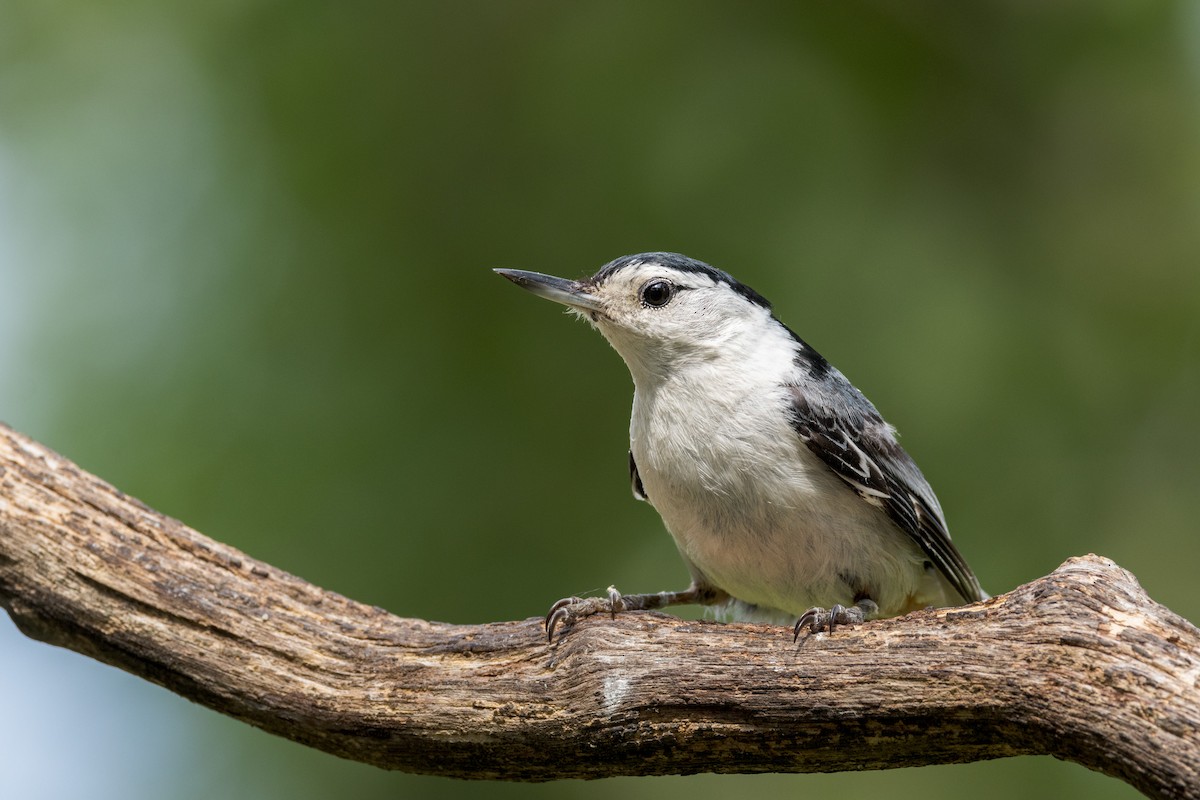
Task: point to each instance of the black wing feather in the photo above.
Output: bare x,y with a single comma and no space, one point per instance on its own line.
862,449
635,480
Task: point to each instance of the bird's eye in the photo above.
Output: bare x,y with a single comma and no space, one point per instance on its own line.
657,293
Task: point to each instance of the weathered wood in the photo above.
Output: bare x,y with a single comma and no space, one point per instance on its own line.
1080,664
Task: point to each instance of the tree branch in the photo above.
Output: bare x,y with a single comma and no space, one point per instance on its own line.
1080,664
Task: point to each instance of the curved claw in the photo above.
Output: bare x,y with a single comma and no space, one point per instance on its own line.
558,606
814,619
838,612
557,613
552,622
570,610
817,618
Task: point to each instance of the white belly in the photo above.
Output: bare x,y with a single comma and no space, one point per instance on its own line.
762,518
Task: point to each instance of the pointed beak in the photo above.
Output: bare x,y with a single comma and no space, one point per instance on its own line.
560,290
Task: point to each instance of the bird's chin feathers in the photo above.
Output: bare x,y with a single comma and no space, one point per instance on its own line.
587,315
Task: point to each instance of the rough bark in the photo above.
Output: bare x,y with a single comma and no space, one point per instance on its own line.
1080,664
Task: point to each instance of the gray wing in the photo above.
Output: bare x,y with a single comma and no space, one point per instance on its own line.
861,448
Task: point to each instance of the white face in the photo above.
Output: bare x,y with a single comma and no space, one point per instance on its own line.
660,318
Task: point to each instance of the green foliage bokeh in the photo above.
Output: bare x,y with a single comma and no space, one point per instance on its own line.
245,255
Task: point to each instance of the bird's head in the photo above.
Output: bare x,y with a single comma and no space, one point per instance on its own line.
662,311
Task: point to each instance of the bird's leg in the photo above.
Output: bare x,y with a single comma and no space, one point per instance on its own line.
817,618
570,610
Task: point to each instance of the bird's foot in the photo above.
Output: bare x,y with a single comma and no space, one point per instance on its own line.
817,619
570,610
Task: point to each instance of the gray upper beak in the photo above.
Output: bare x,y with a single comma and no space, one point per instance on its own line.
560,290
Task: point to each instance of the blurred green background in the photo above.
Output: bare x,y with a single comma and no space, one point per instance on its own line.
245,254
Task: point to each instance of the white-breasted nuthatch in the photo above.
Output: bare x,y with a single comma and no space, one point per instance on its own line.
784,489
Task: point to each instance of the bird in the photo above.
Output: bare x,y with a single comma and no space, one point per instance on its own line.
788,496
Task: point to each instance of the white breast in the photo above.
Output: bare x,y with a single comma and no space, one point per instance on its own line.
751,509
